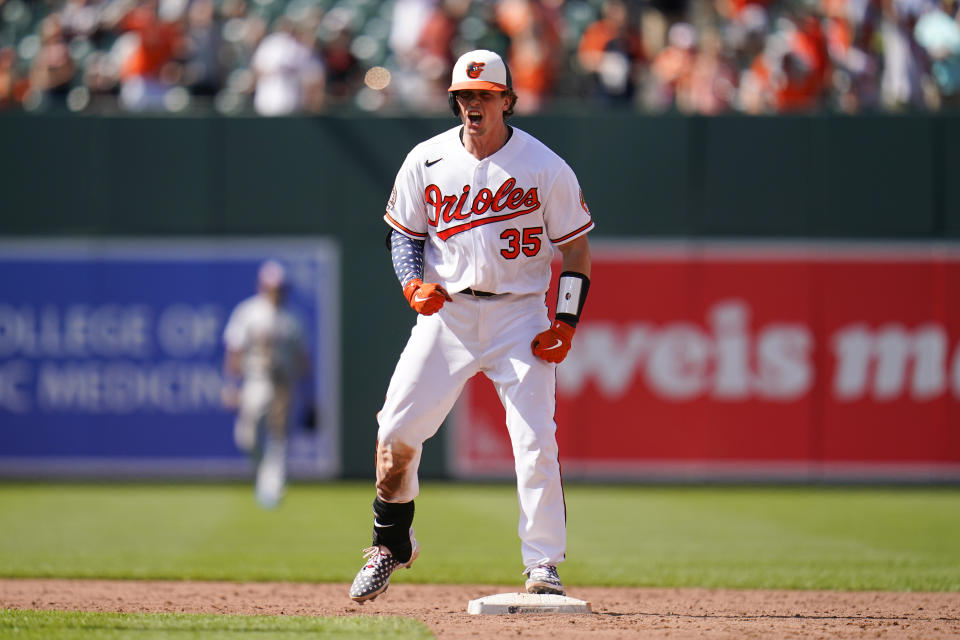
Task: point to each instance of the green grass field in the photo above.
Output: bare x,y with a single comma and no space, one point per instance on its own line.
71,625
741,537
804,538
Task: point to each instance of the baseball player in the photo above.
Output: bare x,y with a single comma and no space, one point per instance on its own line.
475,215
265,348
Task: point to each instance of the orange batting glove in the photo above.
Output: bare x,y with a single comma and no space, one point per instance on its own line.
553,344
425,298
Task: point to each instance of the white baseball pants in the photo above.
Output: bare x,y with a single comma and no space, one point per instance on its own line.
467,336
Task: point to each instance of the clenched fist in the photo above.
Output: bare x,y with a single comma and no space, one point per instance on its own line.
425,298
553,344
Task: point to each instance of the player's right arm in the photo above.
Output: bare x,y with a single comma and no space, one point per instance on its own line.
406,215
234,338
407,255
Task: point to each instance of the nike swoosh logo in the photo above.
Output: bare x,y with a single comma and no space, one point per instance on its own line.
419,298
429,163
554,346
381,526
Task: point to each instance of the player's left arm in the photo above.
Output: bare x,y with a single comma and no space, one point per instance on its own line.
553,344
568,221
576,255
304,364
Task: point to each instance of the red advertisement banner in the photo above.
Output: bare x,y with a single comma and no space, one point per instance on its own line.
761,360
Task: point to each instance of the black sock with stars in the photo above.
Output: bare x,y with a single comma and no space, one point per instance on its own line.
391,527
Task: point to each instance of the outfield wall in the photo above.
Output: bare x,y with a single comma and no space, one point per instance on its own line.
719,360
112,354
670,178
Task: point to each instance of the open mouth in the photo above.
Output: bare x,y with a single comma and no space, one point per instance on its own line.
474,116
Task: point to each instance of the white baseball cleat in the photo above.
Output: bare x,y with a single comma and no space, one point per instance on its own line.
271,479
374,578
544,578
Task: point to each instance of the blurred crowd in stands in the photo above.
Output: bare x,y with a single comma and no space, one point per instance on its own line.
279,57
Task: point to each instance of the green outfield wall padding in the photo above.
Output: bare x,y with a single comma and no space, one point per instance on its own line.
948,143
878,177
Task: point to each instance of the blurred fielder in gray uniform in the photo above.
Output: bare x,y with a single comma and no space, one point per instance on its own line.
266,356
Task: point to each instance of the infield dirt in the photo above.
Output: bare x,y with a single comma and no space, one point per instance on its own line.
618,612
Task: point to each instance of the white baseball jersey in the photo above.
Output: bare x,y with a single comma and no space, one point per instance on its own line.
488,224
270,339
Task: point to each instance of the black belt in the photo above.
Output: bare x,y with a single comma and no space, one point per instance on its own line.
479,294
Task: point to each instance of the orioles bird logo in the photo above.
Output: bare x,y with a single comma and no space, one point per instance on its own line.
474,69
